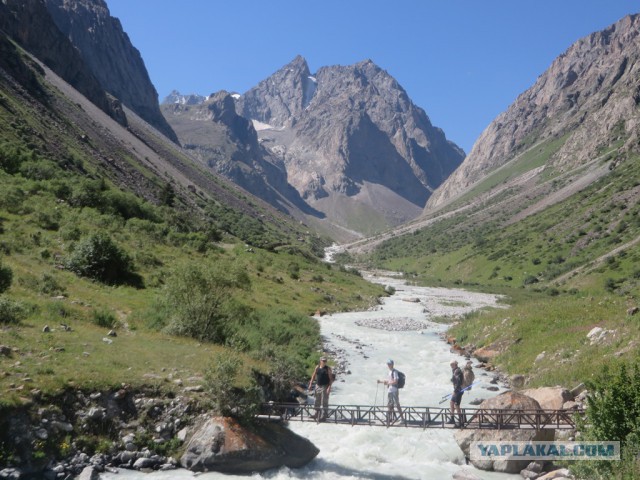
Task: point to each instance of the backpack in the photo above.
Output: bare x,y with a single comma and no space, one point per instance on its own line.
401,378
467,377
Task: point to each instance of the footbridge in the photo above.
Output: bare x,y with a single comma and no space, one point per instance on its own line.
423,417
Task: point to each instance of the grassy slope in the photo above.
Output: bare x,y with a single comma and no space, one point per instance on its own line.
42,218
564,270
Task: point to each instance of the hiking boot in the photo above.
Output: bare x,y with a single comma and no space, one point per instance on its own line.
451,420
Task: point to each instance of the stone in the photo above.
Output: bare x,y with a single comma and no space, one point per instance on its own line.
556,474
89,473
526,473
549,398
485,354
506,401
465,475
222,445
517,381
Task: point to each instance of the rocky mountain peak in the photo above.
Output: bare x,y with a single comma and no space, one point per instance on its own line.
176,97
589,95
280,97
31,25
350,141
110,56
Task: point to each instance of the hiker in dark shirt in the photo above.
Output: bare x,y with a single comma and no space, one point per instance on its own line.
454,405
324,378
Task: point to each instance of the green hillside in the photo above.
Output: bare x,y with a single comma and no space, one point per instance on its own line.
96,237
569,268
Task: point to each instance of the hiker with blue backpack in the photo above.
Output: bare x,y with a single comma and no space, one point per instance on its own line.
393,382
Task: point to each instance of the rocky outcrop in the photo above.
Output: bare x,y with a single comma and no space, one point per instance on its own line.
281,98
222,445
132,422
505,401
211,130
587,98
32,27
108,53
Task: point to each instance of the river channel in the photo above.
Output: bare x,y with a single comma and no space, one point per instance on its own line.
361,343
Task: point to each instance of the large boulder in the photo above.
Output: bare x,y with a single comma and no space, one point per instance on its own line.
486,354
221,444
549,398
505,401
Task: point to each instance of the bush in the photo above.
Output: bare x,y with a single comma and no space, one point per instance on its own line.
221,380
6,278
99,258
104,319
613,414
11,312
196,299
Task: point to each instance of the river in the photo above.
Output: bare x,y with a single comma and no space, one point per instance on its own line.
377,453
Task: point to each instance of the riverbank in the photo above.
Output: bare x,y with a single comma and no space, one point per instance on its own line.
398,328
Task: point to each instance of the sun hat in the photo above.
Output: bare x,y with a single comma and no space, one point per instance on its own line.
389,362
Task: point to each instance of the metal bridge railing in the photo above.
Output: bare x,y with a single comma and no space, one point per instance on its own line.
423,417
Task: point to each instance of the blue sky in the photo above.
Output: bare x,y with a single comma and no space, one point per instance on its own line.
463,61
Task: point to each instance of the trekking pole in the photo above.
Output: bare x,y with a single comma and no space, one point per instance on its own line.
444,399
375,402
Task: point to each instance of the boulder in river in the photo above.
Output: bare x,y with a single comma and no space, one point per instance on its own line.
221,444
505,401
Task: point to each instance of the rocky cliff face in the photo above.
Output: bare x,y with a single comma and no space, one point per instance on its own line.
110,56
587,98
352,143
30,25
211,130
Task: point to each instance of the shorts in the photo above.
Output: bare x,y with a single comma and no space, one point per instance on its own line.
456,397
393,399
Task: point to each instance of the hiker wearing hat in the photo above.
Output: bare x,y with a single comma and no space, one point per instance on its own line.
324,378
393,395
454,405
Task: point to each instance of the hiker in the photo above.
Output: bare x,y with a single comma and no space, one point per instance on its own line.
454,405
324,378
393,397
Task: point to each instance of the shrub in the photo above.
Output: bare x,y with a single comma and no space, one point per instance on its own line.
6,277
11,312
99,258
228,399
613,414
104,319
196,296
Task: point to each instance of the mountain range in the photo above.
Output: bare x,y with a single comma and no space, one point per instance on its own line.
343,149
345,145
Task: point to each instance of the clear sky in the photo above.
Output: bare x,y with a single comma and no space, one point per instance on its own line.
463,61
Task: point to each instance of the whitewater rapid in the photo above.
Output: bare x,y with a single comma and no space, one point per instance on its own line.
378,453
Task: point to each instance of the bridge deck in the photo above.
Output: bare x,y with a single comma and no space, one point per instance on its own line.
424,417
